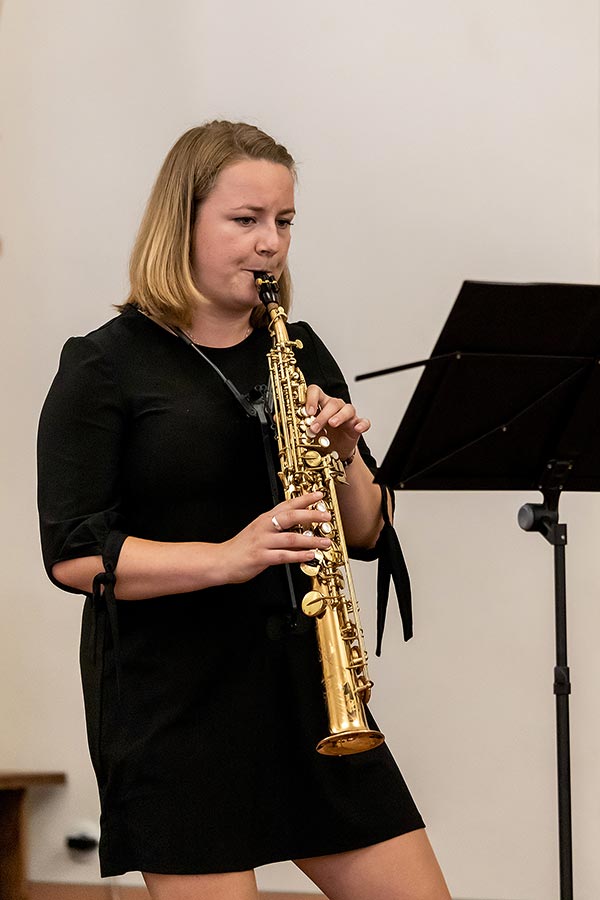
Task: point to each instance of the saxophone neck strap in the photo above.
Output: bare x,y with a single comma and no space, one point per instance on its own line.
247,405
255,404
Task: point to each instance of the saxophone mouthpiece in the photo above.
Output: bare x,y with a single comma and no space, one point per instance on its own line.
267,287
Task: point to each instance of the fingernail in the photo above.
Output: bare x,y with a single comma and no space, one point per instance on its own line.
315,427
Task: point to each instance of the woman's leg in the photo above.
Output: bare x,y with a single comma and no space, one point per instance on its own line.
221,886
403,868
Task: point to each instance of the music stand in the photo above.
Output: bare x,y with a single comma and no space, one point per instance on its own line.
510,400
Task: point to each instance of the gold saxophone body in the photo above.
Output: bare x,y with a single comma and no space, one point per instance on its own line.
307,466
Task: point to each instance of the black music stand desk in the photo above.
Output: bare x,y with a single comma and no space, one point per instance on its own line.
510,400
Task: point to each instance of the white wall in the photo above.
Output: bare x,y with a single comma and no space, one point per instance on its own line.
436,141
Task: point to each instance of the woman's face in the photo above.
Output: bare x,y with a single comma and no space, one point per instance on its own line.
242,227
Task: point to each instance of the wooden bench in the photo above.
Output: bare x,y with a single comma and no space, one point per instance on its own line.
13,828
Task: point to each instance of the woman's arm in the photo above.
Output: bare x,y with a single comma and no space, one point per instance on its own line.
154,569
360,505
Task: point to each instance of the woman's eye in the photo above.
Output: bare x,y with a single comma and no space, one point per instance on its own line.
284,223
244,220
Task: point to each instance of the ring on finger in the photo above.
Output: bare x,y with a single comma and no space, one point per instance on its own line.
276,523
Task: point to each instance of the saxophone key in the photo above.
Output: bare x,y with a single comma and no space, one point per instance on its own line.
311,568
312,458
314,604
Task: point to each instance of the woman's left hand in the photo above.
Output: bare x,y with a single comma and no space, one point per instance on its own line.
338,418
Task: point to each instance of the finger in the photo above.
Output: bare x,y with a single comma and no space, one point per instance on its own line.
346,415
277,524
333,409
297,541
280,557
292,547
357,424
315,398
302,501
285,519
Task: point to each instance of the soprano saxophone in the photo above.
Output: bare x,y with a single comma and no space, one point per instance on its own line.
307,465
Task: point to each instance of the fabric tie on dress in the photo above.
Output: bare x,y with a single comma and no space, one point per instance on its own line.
392,566
103,592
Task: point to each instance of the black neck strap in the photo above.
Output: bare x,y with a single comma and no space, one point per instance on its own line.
244,402
255,404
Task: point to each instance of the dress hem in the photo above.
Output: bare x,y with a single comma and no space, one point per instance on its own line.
109,872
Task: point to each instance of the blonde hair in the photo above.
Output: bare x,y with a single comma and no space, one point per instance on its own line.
160,273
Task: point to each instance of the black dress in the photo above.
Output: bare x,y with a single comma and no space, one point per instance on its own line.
203,709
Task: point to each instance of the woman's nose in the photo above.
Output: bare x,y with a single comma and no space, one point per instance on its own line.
268,239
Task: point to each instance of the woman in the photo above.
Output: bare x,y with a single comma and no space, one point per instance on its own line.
203,694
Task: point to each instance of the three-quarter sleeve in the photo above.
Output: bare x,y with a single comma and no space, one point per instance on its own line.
79,448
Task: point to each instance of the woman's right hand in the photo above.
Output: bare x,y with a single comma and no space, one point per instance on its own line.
261,543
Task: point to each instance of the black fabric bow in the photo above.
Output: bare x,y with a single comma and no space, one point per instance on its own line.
392,566
104,597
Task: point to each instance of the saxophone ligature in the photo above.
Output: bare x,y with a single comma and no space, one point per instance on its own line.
306,465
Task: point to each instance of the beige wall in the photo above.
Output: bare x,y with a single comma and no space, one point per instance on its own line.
437,141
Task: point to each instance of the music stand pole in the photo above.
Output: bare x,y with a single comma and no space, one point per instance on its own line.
543,518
